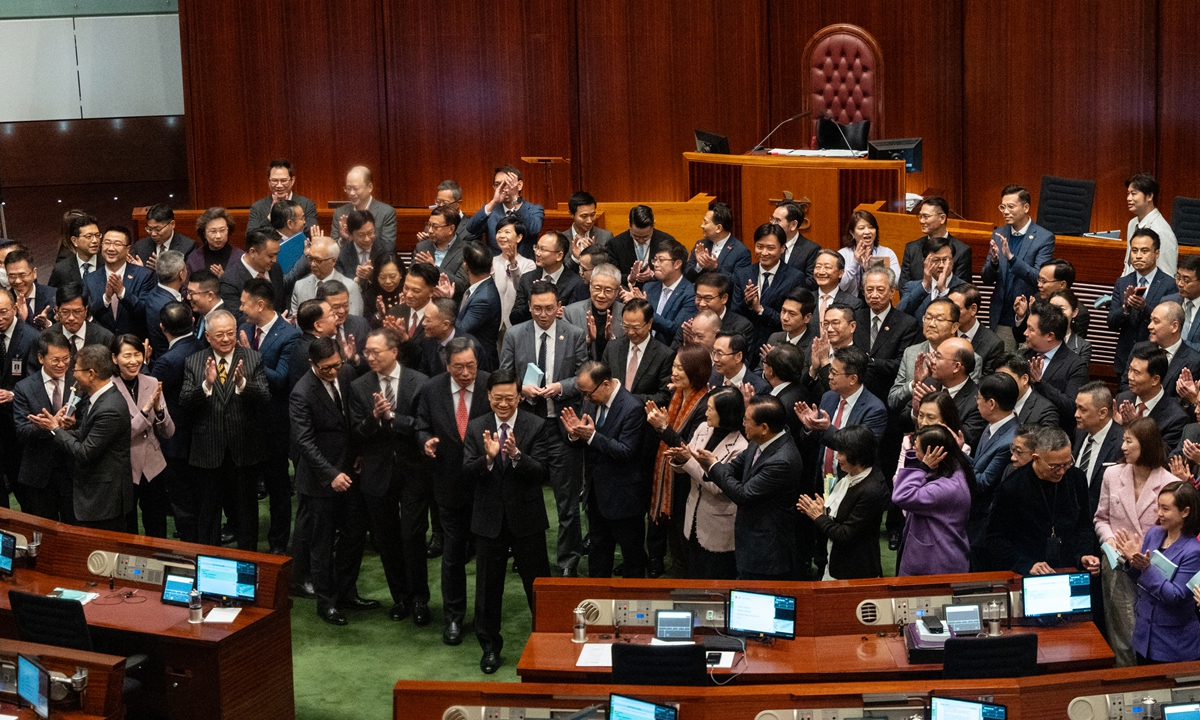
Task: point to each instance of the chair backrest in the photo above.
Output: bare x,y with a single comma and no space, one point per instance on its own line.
659,664
1185,220
845,77
991,657
50,621
1065,205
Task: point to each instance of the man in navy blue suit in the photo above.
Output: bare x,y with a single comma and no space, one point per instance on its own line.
18,353
549,253
1018,251
117,292
759,290
273,338
718,249
937,280
35,301
616,492
507,202
1187,280
672,296
798,251
171,272
996,398
479,313
729,364
847,403
1135,295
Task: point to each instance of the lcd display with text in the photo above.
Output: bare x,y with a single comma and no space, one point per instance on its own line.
223,579
621,707
673,625
1182,711
1050,595
8,552
950,709
33,685
763,615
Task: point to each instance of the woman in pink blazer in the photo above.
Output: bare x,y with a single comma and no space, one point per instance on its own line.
1129,502
150,421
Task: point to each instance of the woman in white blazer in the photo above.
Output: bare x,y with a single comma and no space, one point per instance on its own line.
1129,502
709,517
150,421
507,268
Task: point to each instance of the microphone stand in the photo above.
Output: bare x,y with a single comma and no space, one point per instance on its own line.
797,116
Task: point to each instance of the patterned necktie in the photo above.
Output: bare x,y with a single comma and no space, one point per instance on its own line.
412,323
222,370
503,441
1085,457
631,369
388,393
766,281
56,400
462,415
837,424
85,269
662,300
875,323
1142,282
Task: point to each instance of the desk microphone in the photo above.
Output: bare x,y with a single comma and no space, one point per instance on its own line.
838,125
797,116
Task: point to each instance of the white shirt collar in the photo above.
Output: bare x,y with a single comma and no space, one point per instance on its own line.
1174,349
882,316
1150,217
954,390
718,245
456,388
612,396
641,347
476,285
779,388
971,333
119,271
557,274
675,284
1153,402
1149,276
1099,436
1025,229
512,421
394,374
766,444
993,428
853,398
252,271
105,388
174,293
1020,406
737,379
266,329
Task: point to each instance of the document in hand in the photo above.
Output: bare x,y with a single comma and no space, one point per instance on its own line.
1164,566
533,375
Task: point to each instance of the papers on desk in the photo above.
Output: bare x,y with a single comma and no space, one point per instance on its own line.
1110,552
533,376
804,152
8,717
1164,566
726,660
595,655
222,615
83,597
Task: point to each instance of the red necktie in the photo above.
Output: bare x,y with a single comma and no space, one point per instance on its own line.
412,322
461,415
257,338
837,424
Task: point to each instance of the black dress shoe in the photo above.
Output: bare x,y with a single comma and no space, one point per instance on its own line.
436,545
261,491
656,568
569,571
227,537
333,616
359,603
420,613
452,633
489,663
894,540
398,612
304,590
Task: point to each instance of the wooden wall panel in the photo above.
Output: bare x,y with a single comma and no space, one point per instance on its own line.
1178,101
650,74
1064,88
922,52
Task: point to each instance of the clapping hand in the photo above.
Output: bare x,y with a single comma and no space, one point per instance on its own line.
491,445
1126,412
1037,366
1133,300
150,406
591,328
813,507
765,350
382,408
656,416
445,287
1021,307
921,368
424,257
242,340
678,454
640,272
706,458
239,374
1130,546
210,371
751,295
1180,469
1185,387
569,419
812,416
705,258
820,355
630,292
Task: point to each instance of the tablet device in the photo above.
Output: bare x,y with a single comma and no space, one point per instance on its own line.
622,707
33,685
673,625
963,619
176,588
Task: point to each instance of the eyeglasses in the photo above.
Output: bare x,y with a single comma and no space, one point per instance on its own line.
90,236
331,367
1060,467
155,229
934,318
431,226
1010,207
707,298
114,244
721,353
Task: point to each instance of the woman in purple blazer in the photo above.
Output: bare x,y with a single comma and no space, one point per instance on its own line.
150,421
934,488
1166,628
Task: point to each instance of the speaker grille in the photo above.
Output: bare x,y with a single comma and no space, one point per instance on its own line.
868,612
591,611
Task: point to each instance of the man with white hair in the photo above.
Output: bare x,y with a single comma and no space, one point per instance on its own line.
322,259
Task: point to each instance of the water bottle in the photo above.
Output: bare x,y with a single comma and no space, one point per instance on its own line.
195,610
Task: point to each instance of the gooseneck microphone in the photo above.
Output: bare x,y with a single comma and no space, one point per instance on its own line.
797,116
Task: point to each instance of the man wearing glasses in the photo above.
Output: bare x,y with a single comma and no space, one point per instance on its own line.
85,238
18,343
359,190
600,315
548,254
45,477
932,213
940,323
322,259
161,236
72,320
280,180
1017,252
950,368
442,248
1146,396
117,292
35,302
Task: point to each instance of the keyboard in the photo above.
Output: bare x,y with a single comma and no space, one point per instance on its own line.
721,642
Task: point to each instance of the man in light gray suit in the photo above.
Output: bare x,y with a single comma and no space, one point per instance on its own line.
603,309
443,248
359,191
322,258
546,353
583,231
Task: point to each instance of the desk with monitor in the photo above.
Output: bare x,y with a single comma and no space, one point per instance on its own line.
241,669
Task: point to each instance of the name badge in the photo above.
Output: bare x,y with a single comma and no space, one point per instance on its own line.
18,367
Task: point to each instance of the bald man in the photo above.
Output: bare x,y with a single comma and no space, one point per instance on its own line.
359,188
1166,331
949,368
322,257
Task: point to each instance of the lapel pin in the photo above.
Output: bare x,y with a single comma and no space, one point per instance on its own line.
560,337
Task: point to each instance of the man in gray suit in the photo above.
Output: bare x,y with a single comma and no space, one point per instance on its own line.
97,443
442,247
583,231
281,178
223,390
359,191
546,353
600,315
322,258
940,326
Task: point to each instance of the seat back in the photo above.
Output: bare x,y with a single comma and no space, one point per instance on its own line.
50,621
844,78
658,664
1185,220
1065,205
991,657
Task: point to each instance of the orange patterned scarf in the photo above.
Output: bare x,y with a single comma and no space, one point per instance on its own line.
660,494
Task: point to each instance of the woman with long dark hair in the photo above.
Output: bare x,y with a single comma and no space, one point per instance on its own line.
934,487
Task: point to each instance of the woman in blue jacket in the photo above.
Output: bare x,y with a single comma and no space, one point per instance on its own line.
1166,628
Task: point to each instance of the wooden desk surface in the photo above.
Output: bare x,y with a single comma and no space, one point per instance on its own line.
104,697
551,657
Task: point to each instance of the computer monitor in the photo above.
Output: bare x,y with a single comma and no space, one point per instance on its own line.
963,619
707,142
950,709
621,707
1056,595
33,685
673,625
1181,711
8,552
761,615
225,580
906,149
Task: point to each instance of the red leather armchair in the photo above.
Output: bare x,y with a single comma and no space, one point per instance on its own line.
845,77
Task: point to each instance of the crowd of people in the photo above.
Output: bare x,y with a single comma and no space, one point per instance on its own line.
712,412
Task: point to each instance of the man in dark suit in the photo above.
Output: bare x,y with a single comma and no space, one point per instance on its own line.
795,316
34,301
274,339
360,189
612,426
349,330
18,354
713,290
1187,281
419,285
172,274
936,280
583,233
987,344
551,248
1166,331
394,485
827,274
837,333
161,236
883,331
85,238
847,403
314,319
1057,372
1055,276
932,213
331,504
442,247
670,294
764,482
280,180
718,249
759,290
203,296
1147,398
507,202
799,252
97,443
258,262
72,315
637,245
117,292
224,389
45,468
1017,252
439,332
641,363
506,456
1135,295
783,369
170,368
729,366
445,406
1097,445
1031,408
951,368
996,398
479,312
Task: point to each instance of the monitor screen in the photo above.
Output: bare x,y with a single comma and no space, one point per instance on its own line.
176,589
224,579
621,707
752,613
962,619
1182,711
1048,595
8,552
33,685
948,709
673,625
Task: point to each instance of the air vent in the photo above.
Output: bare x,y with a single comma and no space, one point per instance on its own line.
454,712
1087,708
775,715
101,562
868,612
591,611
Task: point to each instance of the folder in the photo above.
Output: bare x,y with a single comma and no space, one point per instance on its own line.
1165,566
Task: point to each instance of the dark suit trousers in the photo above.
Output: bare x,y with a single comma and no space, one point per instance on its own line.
10,465
183,493
456,533
152,496
416,496
236,486
55,501
629,533
116,524
566,479
668,531
328,546
491,567
383,515
279,490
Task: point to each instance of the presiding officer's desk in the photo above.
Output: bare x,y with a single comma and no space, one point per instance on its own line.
831,644
1079,696
241,669
101,699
